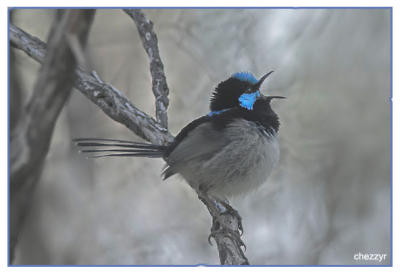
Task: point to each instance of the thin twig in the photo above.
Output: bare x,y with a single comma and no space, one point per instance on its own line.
31,136
159,81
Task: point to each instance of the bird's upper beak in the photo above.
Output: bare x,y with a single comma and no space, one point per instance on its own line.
258,84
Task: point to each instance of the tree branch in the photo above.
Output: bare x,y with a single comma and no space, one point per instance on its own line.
159,81
108,98
226,231
32,133
16,97
118,107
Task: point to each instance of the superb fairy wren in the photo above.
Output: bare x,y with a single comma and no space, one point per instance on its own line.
225,153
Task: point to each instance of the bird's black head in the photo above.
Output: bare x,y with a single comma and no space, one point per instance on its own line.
241,89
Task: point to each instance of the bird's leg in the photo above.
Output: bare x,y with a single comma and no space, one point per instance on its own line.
222,223
229,210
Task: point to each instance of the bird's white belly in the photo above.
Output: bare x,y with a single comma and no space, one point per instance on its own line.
242,165
248,168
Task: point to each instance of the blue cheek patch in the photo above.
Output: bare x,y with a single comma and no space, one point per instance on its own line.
247,100
245,76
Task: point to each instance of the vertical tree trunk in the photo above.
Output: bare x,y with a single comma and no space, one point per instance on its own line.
31,134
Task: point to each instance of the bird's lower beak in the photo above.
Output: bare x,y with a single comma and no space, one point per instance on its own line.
276,96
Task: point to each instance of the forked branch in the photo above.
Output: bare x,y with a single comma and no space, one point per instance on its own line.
119,108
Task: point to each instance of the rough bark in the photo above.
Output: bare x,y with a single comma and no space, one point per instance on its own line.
104,95
159,81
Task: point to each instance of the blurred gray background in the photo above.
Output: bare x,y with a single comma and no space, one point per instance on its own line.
328,199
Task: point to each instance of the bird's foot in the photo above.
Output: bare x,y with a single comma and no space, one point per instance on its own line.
219,225
222,222
227,233
226,209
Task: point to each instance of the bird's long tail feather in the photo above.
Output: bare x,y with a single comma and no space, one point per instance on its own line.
118,148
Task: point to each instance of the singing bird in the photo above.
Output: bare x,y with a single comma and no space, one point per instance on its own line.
225,153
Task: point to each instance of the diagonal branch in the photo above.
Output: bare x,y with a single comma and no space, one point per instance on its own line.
159,81
31,135
108,98
118,107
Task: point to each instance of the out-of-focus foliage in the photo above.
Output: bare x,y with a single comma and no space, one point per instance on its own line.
328,199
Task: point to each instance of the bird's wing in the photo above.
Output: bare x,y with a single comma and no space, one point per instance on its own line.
200,140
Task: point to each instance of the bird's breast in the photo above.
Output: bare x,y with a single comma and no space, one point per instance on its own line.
246,161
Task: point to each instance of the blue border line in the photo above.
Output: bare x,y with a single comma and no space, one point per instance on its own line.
391,136
206,8
8,139
197,265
